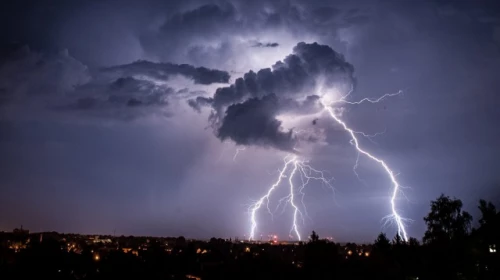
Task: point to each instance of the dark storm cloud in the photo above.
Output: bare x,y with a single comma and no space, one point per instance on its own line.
217,34
202,23
199,102
273,91
265,45
121,92
58,81
26,74
254,122
163,71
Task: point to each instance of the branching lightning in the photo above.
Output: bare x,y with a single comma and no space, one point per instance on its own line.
293,166
400,221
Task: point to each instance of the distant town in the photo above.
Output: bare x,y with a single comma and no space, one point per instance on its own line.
450,249
101,246
209,254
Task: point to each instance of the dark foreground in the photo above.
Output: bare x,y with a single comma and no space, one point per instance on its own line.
451,249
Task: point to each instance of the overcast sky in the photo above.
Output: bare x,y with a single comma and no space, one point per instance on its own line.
126,115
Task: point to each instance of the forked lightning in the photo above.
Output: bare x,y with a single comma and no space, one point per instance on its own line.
293,166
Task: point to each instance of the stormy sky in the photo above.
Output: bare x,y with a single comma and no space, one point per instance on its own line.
126,115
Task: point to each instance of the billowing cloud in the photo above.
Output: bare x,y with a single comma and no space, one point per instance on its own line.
246,111
254,122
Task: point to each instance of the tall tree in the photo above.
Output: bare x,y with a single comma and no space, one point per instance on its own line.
489,229
488,212
382,243
488,235
446,221
413,242
447,251
314,237
397,240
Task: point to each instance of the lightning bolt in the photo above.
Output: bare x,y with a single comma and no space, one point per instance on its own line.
256,206
400,221
238,150
294,167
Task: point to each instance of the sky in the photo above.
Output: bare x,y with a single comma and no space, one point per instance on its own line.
171,118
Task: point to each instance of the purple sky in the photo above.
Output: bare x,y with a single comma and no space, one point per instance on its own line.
93,141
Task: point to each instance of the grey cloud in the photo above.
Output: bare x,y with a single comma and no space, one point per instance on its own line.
254,122
207,17
210,35
163,71
186,32
25,73
58,82
265,45
296,76
325,14
199,102
121,92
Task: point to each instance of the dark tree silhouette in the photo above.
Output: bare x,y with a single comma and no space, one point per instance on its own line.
314,237
488,212
413,242
446,221
398,241
448,253
382,243
489,229
487,238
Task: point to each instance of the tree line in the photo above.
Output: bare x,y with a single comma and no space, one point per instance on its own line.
450,249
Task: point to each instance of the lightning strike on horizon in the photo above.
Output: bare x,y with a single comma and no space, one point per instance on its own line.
296,210
306,173
256,206
354,140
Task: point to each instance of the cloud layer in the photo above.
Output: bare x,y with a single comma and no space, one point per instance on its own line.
60,83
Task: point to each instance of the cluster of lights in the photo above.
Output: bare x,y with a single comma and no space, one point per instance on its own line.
201,251
366,253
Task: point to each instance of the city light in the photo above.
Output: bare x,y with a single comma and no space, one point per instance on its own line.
493,248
